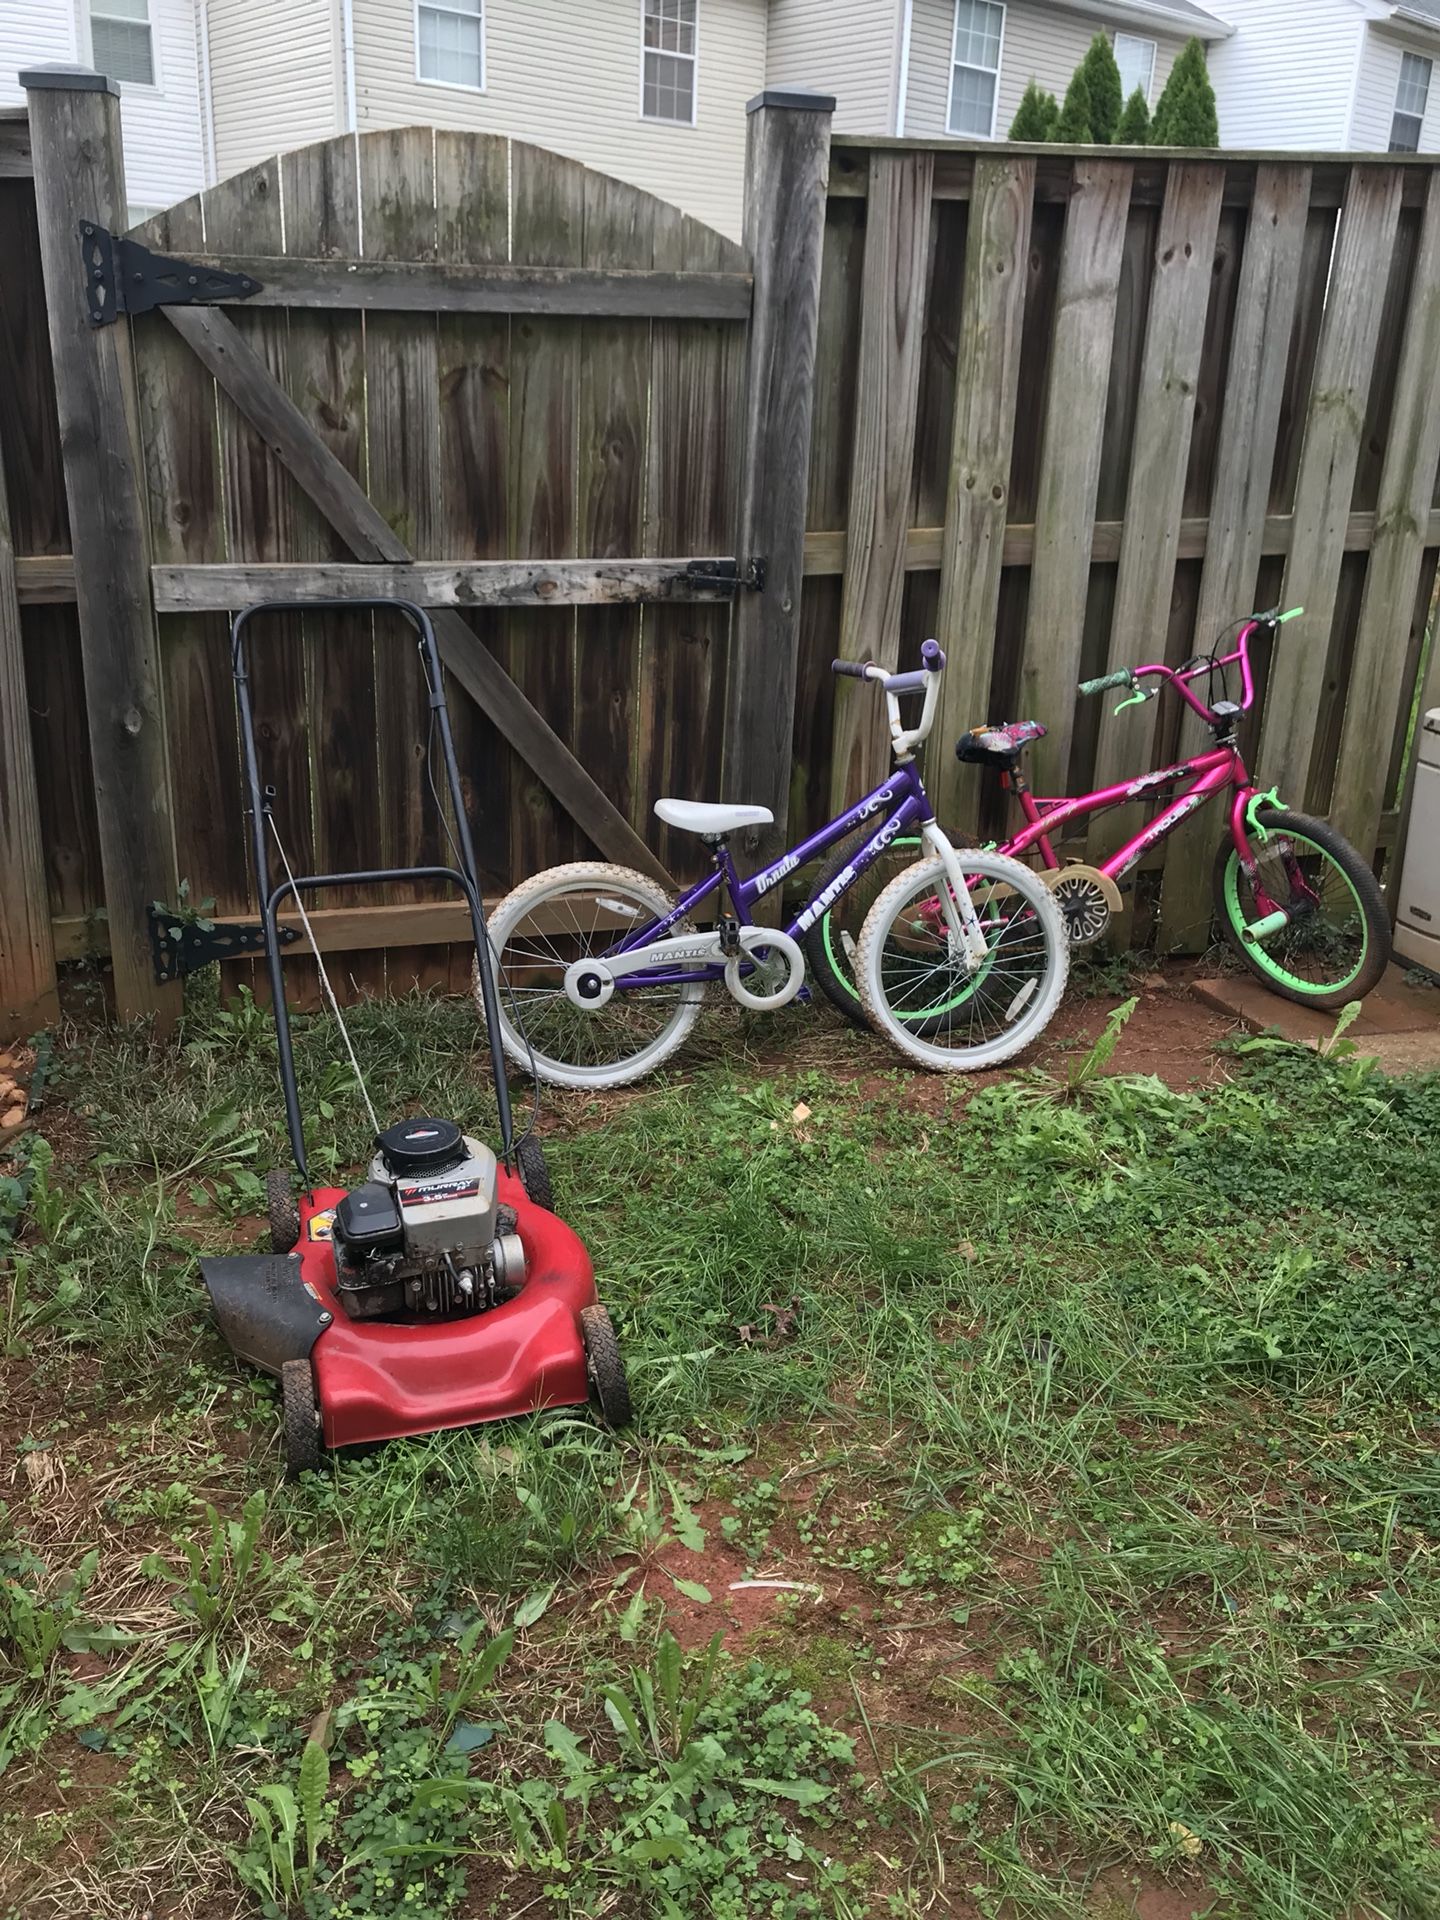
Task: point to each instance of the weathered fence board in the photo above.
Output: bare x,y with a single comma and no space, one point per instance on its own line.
1095,227
987,379
1344,366
882,463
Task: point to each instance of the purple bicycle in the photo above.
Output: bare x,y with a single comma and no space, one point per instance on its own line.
1293,898
961,961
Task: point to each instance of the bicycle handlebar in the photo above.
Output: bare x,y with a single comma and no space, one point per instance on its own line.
1192,669
1107,680
926,680
853,669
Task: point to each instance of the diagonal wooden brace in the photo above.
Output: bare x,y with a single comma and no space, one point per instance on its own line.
221,347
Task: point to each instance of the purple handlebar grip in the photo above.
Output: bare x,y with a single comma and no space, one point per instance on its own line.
932,656
854,668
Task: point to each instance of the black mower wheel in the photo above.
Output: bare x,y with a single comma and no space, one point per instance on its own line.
609,1388
302,1419
283,1209
534,1174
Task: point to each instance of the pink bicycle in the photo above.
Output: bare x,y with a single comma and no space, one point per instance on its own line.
1293,898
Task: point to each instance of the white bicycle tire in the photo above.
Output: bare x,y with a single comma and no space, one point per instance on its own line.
523,900
1036,1017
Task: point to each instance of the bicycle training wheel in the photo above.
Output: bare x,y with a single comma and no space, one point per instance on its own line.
927,1001
571,913
832,944
1336,943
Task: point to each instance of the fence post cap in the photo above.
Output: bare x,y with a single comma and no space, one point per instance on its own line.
797,99
56,77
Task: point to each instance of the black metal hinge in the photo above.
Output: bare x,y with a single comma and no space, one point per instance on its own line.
184,946
121,276
729,574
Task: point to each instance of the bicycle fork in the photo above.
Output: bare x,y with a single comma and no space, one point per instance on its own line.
962,922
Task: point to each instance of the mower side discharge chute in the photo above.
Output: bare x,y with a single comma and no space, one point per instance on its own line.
263,1307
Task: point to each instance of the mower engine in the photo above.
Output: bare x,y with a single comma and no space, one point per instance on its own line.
425,1235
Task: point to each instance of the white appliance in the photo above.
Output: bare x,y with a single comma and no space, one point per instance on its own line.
1417,925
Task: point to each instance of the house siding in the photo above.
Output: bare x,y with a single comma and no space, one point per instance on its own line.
33,33
851,50
533,51
164,133
1283,81
276,76
1039,43
1375,89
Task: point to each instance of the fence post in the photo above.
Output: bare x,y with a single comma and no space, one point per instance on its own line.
27,954
80,175
787,162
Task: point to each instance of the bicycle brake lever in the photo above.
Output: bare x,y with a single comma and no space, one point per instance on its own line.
1137,699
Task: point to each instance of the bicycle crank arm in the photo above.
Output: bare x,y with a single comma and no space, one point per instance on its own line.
590,983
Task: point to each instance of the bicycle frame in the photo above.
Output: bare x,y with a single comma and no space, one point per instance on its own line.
1211,772
900,797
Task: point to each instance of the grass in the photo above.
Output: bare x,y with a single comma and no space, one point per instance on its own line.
1093,1424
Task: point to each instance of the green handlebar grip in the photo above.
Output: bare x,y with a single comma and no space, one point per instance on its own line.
1106,681
1293,614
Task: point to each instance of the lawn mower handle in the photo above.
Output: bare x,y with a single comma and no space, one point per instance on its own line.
467,877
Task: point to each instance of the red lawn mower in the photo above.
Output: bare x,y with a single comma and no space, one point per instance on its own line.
443,1290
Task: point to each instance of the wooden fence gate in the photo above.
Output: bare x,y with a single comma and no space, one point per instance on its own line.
457,369
1067,410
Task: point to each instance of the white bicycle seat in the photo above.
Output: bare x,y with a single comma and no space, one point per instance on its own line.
706,816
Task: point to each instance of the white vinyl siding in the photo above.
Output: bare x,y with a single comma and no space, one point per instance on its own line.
275,71
534,51
1377,93
1041,42
1277,85
450,42
33,33
849,48
1135,58
975,68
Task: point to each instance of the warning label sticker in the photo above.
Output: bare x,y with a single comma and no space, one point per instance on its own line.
322,1225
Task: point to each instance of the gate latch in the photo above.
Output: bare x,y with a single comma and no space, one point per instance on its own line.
184,945
121,276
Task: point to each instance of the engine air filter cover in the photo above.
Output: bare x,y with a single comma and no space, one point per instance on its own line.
421,1145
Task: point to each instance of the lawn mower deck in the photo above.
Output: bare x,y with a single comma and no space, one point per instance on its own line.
441,1290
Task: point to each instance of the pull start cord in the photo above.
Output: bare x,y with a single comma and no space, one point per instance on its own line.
324,976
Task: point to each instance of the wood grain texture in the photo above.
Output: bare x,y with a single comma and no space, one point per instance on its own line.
430,286
1407,486
897,233
80,175
1086,301
787,156
697,382
370,537
987,378
27,957
29,423
1236,528
1335,418
1174,336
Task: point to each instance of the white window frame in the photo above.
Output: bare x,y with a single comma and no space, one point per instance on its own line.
154,84
1139,40
955,62
1409,53
654,120
454,86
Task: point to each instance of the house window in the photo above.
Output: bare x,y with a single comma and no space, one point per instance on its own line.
1136,60
120,43
975,68
1411,97
450,42
667,90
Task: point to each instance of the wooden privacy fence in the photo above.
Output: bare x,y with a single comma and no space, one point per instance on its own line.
1066,410
1076,412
